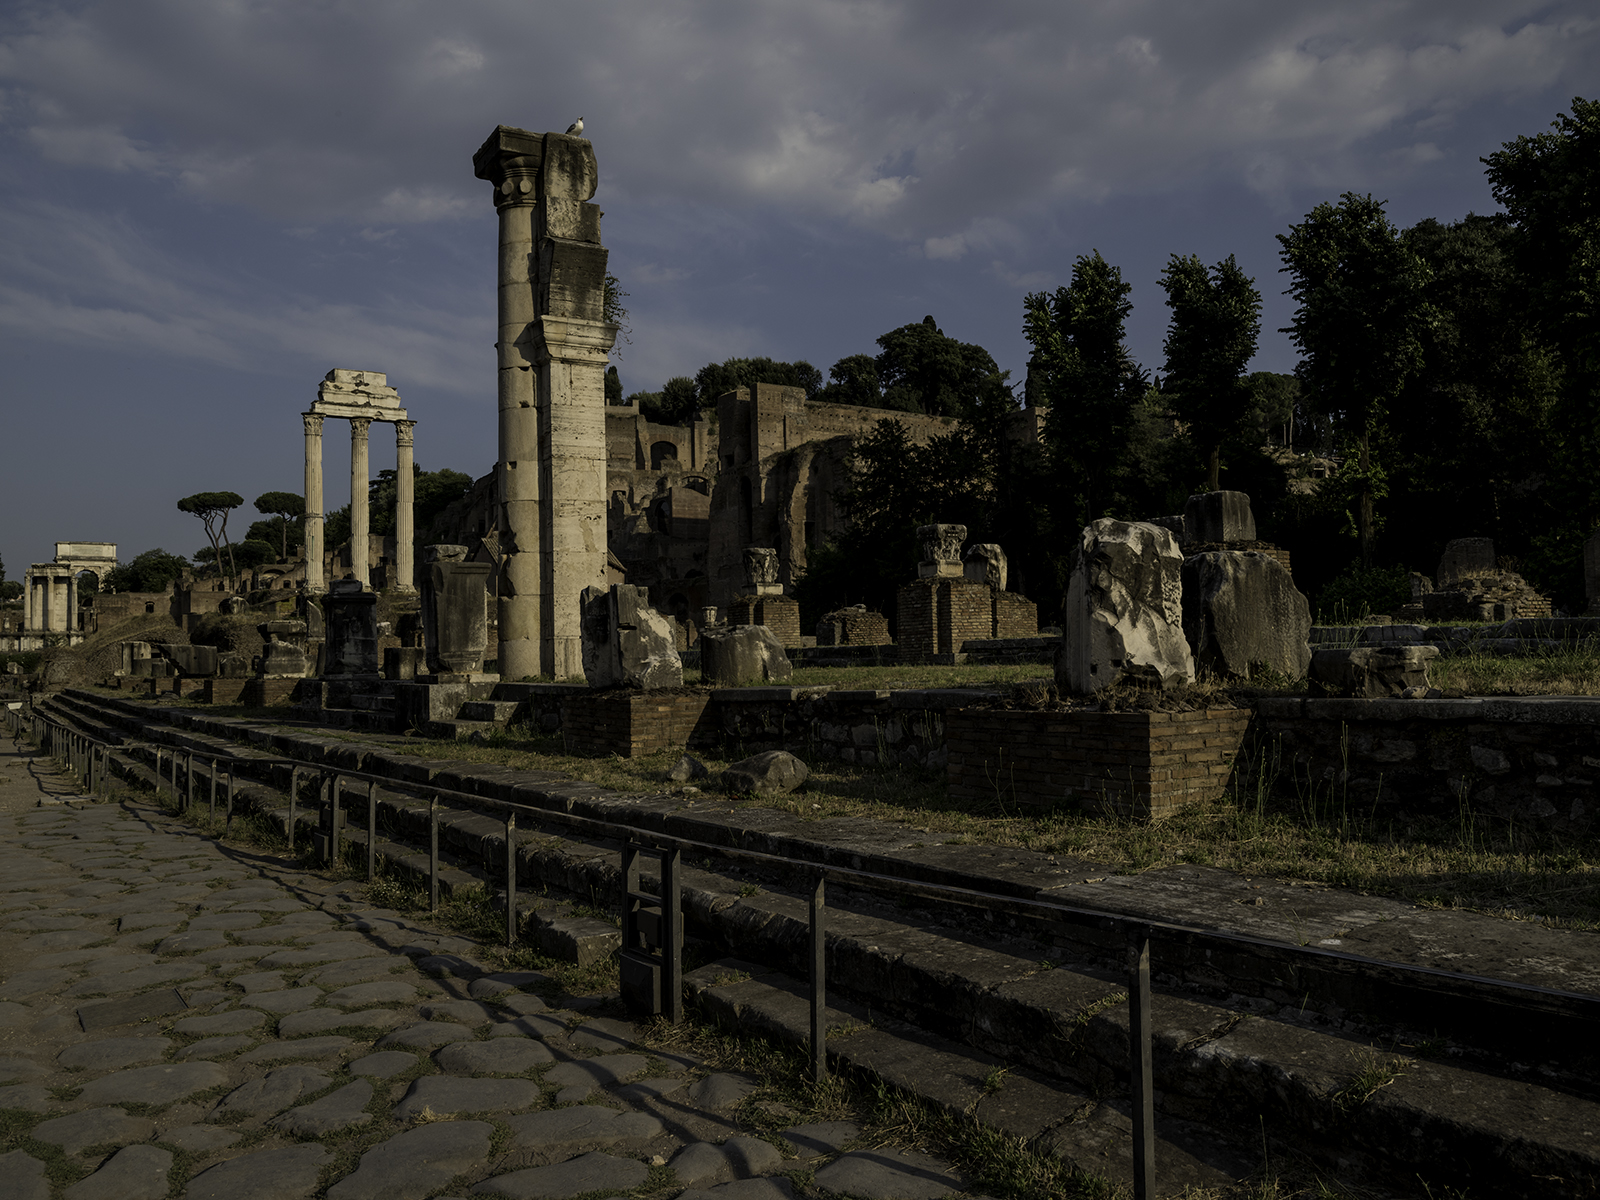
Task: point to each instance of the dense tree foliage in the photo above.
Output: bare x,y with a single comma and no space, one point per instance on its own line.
213,508
152,571
285,508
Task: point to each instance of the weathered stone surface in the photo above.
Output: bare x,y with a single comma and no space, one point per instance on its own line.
287,1001
592,1172
93,1127
199,1139
762,567
1463,557
455,622
135,1173
626,643
719,1091
743,1189
463,1012
192,942
383,1064
604,1033
321,1020
985,562
427,1036
578,1079
941,551
1219,517
416,1163
24,1177
1242,612
14,1069
289,1173
743,654
1371,672
215,1047
701,1163
1123,616
887,1175
821,1137
687,768
226,920
771,772
382,991
563,1130
237,1020
446,1095
502,1056
112,1054
273,1092
320,954
335,1111
161,1084
302,1048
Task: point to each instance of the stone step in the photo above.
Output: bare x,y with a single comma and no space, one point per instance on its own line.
496,712
460,730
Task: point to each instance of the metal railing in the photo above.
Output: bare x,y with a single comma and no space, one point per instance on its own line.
663,929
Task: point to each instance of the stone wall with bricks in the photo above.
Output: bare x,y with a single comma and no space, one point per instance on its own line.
778,613
632,724
938,616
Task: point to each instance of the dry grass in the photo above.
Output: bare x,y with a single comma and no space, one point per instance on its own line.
1571,671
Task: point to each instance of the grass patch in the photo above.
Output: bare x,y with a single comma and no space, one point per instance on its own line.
1572,670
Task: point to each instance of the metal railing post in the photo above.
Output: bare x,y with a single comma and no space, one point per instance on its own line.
294,797
188,782
228,823
433,853
211,811
335,805
158,772
672,935
819,982
511,877
1141,1082
372,830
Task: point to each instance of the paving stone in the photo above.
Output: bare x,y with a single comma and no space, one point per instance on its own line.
743,1189
383,1064
539,1025
205,997
107,1014
259,981
487,987
499,1057
135,1173
719,1091
230,956
446,1095
161,1084
427,1036
449,964
313,1047
578,1079
702,1164
522,1004
65,939
821,1137
14,1069
383,991
361,970
287,1001
72,958
22,984
593,1172
198,1139
142,977
286,1174
228,920
322,1020
416,1163
467,1012
112,1054
603,1033
887,1175
335,1111
319,954
44,922
215,1047
24,1177
237,1021
273,1092
192,942
135,921
650,1089
13,1014
29,1096
93,1127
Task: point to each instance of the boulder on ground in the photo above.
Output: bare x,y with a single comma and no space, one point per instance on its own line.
742,654
774,771
1242,612
626,643
1370,672
1219,517
686,769
1123,616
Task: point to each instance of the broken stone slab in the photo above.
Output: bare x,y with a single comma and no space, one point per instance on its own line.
888,1175
446,1095
273,1092
1370,672
133,1173
289,1173
417,1163
626,643
1219,517
564,1130
774,771
335,1111
1242,613
112,1054
107,1014
596,1171
93,1127
162,1084
688,767
1123,616
303,1048
502,1056
985,562
743,654
701,1163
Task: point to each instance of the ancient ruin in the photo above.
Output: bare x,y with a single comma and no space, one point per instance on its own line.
50,597
952,602
1123,614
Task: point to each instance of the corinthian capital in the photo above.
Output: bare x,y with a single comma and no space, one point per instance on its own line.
359,427
402,432
313,423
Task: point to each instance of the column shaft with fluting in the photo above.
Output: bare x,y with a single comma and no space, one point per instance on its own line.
359,524
404,492
72,603
313,547
30,584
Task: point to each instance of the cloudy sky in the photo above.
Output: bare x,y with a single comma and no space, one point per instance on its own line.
206,204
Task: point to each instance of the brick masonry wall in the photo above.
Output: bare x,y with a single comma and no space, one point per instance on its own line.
1015,616
916,632
853,629
1146,765
1531,760
631,724
778,613
966,610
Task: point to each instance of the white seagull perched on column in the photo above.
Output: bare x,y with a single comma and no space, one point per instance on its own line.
576,128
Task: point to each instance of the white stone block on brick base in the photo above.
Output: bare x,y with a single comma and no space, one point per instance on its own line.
626,643
1123,615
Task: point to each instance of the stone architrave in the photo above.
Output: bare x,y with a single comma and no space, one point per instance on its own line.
352,638
1465,557
761,571
284,655
455,616
553,346
985,562
626,643
1123,614
1242,612
1219,517
941,551
731,657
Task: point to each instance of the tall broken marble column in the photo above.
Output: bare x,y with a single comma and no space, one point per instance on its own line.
360,518
313,547
404,500
552,349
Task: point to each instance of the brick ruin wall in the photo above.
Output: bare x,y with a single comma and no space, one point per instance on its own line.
938,616
778,613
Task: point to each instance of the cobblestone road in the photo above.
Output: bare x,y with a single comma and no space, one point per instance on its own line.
180,1019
